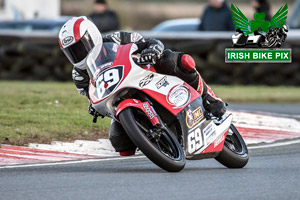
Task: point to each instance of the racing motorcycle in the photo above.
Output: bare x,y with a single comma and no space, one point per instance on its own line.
162,115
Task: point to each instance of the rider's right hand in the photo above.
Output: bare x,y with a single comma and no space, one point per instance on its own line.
151,54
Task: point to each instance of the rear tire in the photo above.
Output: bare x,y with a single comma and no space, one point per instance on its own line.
235,151
166,152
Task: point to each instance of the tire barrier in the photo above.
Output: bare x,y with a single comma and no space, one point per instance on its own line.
28,56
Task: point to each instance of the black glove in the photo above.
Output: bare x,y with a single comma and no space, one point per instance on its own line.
151,54
91,110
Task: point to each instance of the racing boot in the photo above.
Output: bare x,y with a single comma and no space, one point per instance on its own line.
120,140
211,102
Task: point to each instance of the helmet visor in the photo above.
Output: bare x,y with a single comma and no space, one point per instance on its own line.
80,49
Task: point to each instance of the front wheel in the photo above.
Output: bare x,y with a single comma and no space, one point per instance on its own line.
159,145
235,151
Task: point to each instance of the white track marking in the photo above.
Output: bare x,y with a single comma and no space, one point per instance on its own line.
132,157
265,121
277,144
71,162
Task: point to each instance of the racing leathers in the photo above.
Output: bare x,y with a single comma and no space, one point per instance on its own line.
165,62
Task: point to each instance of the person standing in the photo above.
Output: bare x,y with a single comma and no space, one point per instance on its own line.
216,17
262,6
105,19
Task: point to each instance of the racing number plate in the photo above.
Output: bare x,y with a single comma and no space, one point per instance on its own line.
108,81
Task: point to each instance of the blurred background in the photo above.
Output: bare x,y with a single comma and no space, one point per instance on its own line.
29,49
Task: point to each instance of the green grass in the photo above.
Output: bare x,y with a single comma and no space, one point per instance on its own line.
47,111
43,112
258,94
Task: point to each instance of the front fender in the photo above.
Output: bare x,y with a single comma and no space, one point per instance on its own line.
143,106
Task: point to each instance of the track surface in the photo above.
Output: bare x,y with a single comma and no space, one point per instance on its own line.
272,173
288,109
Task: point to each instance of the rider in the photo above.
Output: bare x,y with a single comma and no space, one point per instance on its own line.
77,39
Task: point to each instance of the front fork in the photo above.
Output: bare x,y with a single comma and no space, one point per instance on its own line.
160,128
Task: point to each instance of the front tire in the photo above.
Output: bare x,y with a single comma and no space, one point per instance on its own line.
165,150
235,151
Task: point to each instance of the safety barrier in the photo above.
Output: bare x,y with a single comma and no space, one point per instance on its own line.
37,56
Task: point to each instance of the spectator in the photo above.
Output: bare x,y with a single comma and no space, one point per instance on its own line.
105,19
262,6
216,17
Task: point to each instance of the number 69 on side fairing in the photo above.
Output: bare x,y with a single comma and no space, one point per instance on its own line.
161,114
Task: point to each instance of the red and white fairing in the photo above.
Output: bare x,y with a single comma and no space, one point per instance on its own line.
147,81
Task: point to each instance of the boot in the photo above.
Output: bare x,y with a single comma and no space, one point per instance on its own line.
211,102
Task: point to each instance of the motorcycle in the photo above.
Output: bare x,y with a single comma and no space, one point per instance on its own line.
162,115
277,36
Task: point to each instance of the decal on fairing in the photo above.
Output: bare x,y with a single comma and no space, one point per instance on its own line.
146,80
198,139
209,133
179,96
219,140
193,117
195,140
162,83
108,80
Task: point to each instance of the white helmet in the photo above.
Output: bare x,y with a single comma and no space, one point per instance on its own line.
77,38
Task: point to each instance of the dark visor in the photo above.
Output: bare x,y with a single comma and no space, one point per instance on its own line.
79,50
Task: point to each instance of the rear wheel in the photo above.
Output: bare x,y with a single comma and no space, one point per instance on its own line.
159,145
235,151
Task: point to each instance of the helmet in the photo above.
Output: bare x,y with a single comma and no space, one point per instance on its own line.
77,37
285,28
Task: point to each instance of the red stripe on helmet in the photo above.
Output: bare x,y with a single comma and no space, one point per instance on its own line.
76,29
61,46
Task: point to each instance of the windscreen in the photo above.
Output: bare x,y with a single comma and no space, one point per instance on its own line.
103,60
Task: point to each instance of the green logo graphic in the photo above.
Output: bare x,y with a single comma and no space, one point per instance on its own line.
258,24
259,33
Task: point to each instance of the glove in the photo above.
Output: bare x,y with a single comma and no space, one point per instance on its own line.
151,54
91,110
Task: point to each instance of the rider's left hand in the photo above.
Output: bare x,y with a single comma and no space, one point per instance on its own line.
91,110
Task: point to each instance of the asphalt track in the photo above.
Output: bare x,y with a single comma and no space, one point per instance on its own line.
284,109
272,173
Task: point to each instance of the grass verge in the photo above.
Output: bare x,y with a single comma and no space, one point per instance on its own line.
44,112
47,111
258,94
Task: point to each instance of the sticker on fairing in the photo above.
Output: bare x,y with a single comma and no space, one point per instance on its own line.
194,117
146,80
108,81
195,140
179,96
162,83
209,133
